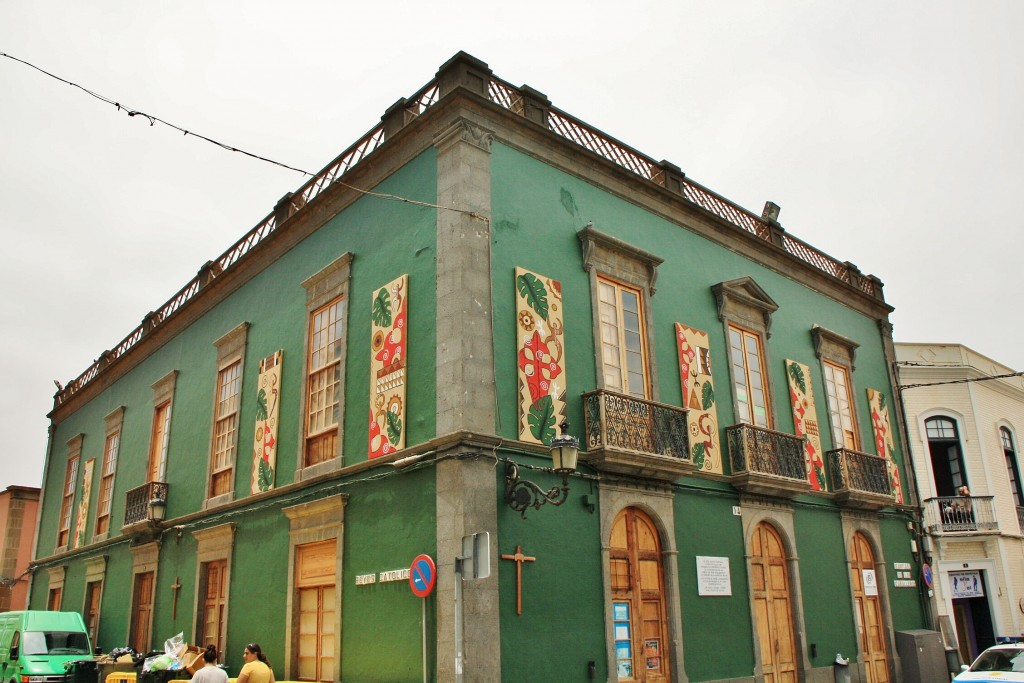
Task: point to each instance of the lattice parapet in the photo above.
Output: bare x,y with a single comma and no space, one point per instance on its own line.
508,97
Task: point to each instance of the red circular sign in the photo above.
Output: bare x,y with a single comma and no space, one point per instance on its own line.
422,576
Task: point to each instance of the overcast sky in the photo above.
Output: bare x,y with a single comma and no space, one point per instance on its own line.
890,133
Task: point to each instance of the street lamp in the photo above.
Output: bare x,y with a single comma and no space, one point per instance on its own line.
157,510
521,494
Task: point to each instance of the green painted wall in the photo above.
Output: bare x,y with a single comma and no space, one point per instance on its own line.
705,526
534,204
825,584
561,628
386,524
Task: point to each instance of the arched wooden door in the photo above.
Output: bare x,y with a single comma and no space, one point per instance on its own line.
870,625
773,613
640,631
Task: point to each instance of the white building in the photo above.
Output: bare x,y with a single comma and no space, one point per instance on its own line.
965,430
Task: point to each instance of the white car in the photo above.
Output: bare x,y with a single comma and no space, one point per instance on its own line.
996,664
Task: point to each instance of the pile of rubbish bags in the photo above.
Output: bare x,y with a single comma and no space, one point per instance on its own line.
177,655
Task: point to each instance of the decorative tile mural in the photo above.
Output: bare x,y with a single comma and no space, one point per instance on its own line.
540,341
805,420
268,405
884,443
83,505
388,356
699,397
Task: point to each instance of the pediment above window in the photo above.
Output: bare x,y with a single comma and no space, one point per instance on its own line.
832,346
626,262
743,301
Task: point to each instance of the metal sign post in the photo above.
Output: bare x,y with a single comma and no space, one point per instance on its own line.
474,563
422,577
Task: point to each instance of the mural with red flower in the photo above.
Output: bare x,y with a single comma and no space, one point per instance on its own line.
805,421
699,397
268,403
884,443
541,358
388,358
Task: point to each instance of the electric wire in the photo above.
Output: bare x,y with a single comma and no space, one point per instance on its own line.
153,120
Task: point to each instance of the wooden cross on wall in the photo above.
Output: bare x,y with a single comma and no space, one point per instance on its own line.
176,586
519,558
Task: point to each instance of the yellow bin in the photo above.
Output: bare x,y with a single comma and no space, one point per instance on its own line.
121,677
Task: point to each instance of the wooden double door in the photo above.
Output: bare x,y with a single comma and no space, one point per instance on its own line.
639,615
773,612
871,629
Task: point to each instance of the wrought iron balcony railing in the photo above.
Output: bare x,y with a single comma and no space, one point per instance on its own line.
1020,518
136,508
766,461
856,471
631,435
957,514
859,479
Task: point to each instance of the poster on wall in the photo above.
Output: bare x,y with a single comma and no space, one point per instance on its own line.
966,584
805,419
268,405
388,362
713,576
884,443
540,357
83,506
699,397
870,581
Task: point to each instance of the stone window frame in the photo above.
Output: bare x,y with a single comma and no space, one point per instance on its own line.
743,303
230,350
832,347
114,422
313,522
609,257
145,559
212,544
95,571
1011,452
55,582
163,393
330,283
67,494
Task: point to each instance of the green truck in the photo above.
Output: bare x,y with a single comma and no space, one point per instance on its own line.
37,646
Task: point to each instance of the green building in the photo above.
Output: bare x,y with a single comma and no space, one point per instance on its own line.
377,372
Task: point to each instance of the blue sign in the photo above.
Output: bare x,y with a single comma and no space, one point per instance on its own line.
422,576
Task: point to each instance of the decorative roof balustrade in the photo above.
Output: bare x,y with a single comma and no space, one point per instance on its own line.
510,98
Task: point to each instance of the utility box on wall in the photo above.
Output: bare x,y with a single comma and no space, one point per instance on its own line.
922,655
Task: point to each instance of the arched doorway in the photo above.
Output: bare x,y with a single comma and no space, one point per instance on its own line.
870,624
773,612
640,630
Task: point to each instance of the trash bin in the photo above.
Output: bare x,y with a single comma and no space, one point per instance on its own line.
82,671
841,667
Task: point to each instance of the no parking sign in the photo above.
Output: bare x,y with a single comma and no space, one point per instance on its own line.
422,576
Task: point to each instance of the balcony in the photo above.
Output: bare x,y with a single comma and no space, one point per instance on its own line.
960,514
1020,518
136,507
767,462
860,480
632,436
